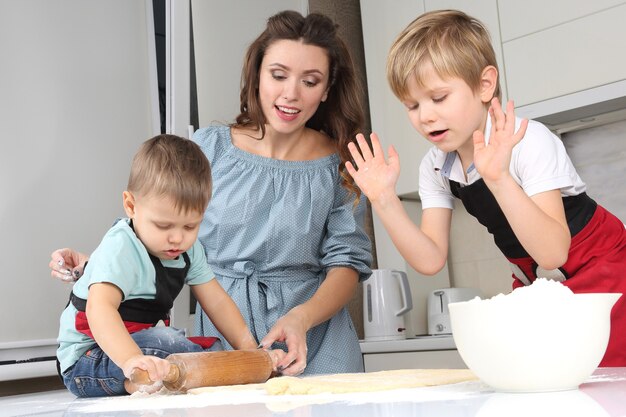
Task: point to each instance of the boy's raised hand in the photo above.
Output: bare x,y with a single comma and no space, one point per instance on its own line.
374,175
492,160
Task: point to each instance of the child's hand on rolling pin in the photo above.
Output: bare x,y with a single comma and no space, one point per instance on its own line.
156,368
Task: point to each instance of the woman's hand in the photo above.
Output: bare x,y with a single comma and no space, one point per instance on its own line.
277,355
290,329
374,175
67,265
492,160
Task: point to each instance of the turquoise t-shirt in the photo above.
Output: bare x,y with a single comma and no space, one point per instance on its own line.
121,259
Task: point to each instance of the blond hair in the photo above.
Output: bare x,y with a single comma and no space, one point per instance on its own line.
457,45
173,167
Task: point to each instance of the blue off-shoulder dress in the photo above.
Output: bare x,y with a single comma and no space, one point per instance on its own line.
272,231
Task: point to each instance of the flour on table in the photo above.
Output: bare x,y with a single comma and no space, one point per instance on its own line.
228,388
259,402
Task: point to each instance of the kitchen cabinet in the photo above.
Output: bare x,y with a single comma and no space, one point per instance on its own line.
519,18
425,352
435,359
566,58
382,22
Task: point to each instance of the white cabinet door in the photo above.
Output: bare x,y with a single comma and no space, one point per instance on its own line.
382,22
435,359
520,18
578,55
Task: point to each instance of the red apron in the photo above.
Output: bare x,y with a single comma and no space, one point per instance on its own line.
139,313
596,263
596,260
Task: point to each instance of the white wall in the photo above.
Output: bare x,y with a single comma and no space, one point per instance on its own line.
599,154
77,86
222,32
474,259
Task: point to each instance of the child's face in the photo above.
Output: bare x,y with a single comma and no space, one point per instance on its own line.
164,231
446,111
293,81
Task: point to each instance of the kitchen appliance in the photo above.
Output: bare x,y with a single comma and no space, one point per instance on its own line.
438,300
386,300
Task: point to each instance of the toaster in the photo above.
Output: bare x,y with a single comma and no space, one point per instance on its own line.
438,300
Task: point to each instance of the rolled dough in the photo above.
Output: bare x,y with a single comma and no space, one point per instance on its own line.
366,382
356,382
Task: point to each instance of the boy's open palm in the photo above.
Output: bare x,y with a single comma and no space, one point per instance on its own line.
374,175
492,160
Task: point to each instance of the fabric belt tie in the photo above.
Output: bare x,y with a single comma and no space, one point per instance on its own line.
257,288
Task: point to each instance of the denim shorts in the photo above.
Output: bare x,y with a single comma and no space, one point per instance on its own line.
96,375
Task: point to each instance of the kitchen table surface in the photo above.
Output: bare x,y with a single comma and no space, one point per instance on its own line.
602,395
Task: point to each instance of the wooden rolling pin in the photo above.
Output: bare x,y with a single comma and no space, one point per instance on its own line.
209,369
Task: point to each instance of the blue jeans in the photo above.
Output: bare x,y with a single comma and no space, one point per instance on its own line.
95,374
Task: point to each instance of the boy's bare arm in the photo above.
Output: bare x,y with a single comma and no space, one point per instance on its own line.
112,336
425,248
539,221
224,314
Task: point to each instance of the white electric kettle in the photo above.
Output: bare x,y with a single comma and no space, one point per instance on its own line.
386,299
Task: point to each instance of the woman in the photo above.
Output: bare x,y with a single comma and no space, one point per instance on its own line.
284,230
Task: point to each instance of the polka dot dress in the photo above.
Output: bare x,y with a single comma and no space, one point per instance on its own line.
272,230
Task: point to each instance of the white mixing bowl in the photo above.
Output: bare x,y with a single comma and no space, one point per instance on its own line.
526,344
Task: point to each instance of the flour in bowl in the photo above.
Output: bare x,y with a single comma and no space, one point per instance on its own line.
540,289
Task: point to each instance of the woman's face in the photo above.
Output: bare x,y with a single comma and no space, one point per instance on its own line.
293,80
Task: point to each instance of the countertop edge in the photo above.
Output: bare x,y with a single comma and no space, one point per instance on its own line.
422,343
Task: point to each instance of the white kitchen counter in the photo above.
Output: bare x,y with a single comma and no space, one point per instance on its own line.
420,352
603,395
420,343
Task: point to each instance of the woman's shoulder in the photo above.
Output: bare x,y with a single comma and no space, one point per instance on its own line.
211,133
213,139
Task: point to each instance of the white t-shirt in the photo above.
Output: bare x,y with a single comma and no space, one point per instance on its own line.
539,163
